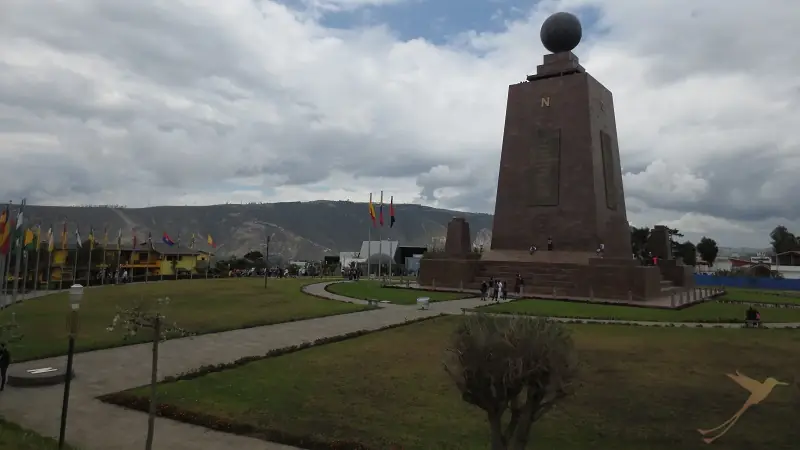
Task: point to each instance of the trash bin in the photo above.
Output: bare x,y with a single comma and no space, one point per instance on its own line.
424,302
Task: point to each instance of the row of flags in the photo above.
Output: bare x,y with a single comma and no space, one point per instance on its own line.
379,218
11,230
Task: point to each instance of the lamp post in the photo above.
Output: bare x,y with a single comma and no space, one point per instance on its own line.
266,262
75,297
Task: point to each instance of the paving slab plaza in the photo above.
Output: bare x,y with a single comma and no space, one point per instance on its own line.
94,425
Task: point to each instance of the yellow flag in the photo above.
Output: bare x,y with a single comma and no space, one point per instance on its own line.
51,242
28,238
38,236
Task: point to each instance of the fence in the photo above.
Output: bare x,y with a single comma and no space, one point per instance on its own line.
748,282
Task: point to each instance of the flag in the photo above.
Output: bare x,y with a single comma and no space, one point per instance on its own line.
78,241
178,243
167,239
119,239
150,239
105,237
371,210
5,230
27,242
391,211
191,243
381,209
211,242
91,238
38,236
51,243
5,244
133,232
18,233
64,237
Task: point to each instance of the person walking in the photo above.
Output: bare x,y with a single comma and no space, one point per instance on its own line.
484,288
5,361
504,291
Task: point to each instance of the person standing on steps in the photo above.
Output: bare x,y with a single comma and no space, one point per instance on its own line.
549,244
5,361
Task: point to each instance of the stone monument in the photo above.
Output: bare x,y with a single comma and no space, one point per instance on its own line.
560,182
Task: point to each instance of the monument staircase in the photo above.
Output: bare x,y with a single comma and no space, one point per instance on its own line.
543,272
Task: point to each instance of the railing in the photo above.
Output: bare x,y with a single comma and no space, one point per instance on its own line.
748,282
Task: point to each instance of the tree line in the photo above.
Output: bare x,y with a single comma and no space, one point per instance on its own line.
783,243
685,250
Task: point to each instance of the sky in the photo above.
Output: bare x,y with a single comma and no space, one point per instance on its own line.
195,102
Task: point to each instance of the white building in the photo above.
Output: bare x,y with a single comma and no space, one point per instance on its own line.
379,251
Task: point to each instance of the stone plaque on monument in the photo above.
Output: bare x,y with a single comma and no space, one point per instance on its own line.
545,164
609,174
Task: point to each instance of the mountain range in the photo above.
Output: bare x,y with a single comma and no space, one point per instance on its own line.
298,230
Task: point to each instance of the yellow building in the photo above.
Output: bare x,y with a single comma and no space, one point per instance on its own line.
160,260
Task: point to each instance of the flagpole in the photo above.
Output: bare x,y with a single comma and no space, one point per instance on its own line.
116,271
389,232
161,268
49,266
75,267
2,284
64,246
369,239
20,221
89,264
6,273
105,247
78,245
24,271
36,270
5,263
380,239
147,266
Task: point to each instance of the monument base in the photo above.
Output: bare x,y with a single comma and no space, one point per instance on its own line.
565,274
36,374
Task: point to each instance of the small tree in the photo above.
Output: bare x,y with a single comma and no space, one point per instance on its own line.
520,365
147,316
9,331
707,248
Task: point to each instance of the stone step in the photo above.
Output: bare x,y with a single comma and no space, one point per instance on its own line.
517,270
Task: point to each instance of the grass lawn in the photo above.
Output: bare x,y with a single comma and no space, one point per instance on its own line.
638,388
200,306
758,296
371,289
13,437
704,312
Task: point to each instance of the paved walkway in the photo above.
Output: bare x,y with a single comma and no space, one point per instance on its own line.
94,425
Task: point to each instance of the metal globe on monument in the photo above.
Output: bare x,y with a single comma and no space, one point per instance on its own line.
561,32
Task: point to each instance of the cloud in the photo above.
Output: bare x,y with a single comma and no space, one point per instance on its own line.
201,101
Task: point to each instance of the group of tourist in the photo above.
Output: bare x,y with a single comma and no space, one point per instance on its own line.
497,289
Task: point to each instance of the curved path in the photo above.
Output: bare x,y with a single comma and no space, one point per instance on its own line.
94,425
458,306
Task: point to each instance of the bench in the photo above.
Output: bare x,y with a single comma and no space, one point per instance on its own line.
752,323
